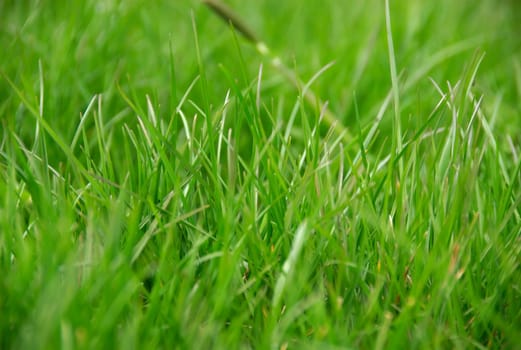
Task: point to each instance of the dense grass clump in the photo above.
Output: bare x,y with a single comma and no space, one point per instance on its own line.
347,177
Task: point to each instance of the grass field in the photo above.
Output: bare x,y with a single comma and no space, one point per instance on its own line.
165,185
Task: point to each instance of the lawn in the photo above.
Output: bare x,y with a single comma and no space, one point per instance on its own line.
347,175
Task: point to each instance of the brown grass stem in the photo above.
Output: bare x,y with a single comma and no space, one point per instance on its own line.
229,16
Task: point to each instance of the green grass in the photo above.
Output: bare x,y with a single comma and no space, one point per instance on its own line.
164,185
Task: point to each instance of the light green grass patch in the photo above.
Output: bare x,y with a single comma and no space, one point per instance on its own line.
165,185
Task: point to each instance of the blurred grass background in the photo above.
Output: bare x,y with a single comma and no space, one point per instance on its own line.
88,47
